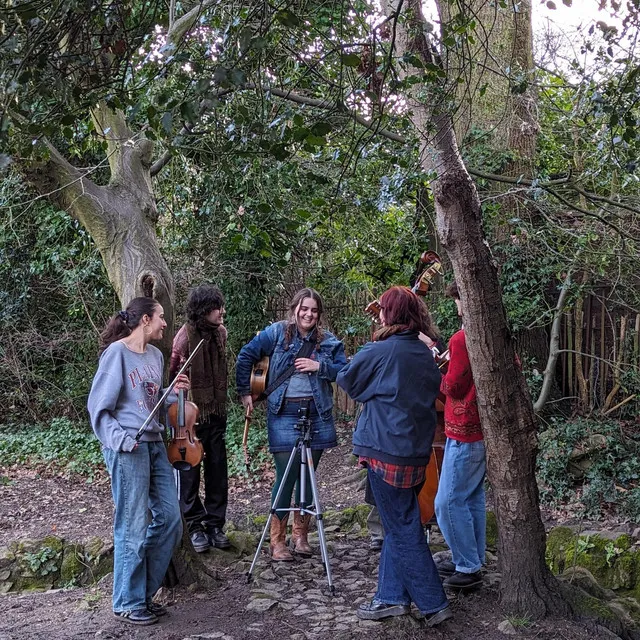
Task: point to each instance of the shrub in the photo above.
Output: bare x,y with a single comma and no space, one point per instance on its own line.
606,474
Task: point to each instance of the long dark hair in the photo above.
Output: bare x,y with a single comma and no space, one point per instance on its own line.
201,301
292,326
124,322
404,311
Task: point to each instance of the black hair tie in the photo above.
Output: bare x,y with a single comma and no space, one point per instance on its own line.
124,316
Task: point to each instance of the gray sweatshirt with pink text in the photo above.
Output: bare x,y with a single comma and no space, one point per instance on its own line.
125,389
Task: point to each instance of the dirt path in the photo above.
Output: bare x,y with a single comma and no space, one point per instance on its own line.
283,601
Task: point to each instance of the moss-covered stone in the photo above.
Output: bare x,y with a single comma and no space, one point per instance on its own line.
492,531
38,561
72,567
94,548
54,543
558,541
33,583
259,521
612,563
631,608
7,557
242,543
346,518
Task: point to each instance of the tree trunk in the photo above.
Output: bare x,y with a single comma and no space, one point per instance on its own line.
120,217
506,412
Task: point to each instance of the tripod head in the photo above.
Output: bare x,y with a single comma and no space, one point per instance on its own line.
304,423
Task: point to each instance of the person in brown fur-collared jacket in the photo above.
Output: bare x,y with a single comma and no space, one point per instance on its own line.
208,375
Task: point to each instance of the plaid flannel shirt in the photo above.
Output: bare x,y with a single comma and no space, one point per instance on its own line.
397,475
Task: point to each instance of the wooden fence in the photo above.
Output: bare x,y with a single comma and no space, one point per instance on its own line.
600,356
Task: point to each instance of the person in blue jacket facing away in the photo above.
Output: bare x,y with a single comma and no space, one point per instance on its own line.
397,380
308,385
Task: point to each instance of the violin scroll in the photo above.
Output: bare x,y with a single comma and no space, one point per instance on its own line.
424,282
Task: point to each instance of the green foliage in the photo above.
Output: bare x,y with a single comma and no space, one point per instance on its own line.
44,561
58,446
256,442
610,478
53,295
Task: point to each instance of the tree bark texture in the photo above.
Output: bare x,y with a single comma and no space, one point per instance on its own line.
121,217
506,411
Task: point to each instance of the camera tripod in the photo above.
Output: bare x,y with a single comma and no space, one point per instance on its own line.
302,446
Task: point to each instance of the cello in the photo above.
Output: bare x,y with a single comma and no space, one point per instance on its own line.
426,497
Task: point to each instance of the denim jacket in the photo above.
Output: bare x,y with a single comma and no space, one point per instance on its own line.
271,342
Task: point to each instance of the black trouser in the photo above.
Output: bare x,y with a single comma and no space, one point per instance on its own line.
216,483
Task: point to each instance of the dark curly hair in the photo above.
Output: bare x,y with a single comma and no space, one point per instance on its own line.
124,322
201,301
307,292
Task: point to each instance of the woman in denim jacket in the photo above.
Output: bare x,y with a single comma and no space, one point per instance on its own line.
310,384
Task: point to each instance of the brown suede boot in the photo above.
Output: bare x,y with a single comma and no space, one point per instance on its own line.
299,542
277,545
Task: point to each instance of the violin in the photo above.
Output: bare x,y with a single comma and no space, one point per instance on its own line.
185,451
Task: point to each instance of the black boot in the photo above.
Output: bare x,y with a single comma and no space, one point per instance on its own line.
218,538
463,580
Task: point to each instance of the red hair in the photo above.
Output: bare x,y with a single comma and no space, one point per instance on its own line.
404,309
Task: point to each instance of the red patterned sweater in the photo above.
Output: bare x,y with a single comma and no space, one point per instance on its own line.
461,419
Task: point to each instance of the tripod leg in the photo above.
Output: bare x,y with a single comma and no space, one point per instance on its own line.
272,511
319,518
304,461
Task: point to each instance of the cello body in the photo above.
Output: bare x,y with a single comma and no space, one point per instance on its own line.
427,495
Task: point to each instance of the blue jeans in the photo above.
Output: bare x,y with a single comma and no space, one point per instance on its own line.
142,484
407,572
460,505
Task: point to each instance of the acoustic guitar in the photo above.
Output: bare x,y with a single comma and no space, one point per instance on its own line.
258,380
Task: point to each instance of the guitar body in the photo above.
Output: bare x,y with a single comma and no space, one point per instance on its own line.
258,381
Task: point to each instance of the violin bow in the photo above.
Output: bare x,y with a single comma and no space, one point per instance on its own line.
169,389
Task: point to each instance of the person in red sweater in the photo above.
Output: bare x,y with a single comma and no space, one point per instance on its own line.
460,501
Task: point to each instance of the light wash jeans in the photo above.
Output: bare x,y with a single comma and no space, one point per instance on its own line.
460,505
407,572
143,485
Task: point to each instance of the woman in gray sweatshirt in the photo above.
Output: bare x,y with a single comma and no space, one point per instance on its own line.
125,389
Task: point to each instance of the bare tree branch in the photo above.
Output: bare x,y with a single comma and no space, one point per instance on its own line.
554,345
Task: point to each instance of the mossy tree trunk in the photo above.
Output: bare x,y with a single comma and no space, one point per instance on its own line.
506,412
